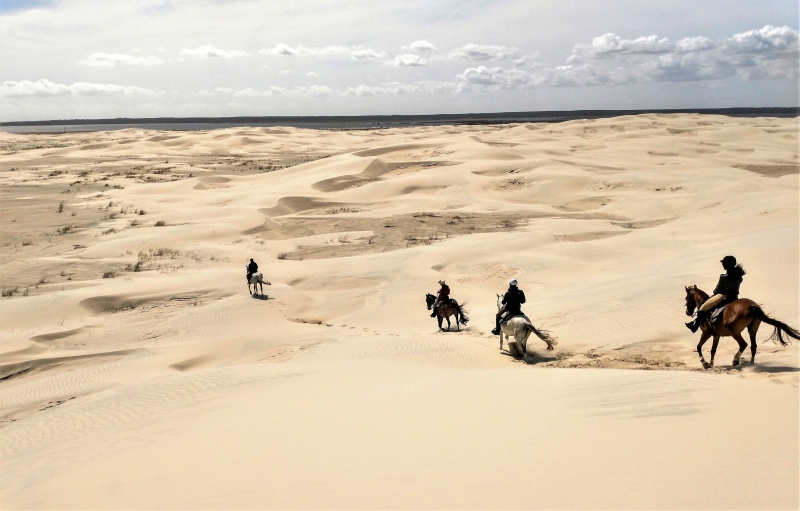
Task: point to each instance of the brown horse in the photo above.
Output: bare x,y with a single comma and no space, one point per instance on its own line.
738,315
447,309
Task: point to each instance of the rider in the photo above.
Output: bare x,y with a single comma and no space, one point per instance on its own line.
727,290
512,304
443,296
251,269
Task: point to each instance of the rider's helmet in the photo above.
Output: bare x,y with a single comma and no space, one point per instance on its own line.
728,261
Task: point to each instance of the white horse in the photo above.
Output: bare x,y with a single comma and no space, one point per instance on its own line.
257,279
520,327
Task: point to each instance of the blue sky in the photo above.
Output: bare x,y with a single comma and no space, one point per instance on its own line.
142,58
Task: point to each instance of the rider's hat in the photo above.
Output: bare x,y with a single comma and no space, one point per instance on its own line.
728,260
512,282
441,282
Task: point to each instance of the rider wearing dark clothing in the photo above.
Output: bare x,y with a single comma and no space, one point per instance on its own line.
251,269
443,296
727,291
512,304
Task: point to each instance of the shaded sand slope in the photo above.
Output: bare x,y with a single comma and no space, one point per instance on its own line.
135,371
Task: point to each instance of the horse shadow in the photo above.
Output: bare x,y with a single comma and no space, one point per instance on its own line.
261,297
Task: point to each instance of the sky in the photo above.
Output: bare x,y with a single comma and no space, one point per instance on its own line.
70,59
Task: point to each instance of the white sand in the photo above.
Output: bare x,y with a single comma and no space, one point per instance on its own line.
172,387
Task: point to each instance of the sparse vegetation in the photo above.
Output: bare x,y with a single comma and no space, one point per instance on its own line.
60,207
335,211
109,275
108,231
344,238
161,223
9,292
282,255
142,212
27,243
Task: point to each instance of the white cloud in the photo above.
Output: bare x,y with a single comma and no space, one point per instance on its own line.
27,88
287,72
361,53
312,74
209,51
482,52
420,46
354,52
766,40
386,88
288,51
407,59
112,59
770,52
482,78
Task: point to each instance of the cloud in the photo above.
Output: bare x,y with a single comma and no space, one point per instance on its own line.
407,59
112,59
44,88
496,78
308,91
354,52
383,89
312,74
209,51
420,46
769,52
481,52
287,72
768,40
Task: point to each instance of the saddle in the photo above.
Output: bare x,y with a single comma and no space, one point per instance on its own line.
717,313
508,317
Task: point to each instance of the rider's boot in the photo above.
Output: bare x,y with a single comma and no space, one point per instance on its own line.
496,330
433,314
697,321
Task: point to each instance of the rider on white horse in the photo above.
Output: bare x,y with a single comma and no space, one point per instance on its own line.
251,269
512,304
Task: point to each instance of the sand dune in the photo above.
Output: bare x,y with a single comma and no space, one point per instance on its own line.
136,370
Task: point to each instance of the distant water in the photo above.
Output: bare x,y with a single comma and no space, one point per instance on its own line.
361,122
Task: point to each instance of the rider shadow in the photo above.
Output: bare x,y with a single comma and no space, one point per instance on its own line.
261,297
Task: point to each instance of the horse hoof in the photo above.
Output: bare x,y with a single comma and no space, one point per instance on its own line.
706,365
735,363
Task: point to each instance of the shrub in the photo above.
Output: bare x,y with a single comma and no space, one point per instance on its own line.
161,223
109,275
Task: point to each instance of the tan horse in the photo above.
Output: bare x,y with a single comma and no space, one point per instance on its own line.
520,327
738,315
445,310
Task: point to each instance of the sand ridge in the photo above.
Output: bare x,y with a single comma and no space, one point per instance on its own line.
126,318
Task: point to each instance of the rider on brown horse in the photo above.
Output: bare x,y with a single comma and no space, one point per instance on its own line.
727,291
441,297
512,304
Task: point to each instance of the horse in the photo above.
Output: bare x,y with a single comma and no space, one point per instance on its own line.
520,327
738,315
447,309
257,279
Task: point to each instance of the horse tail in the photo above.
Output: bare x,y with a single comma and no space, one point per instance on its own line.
780,326
544,335
461,312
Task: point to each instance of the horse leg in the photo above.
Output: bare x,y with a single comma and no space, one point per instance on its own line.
703,338
448,323
714,345
752,329
439,318
742,347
